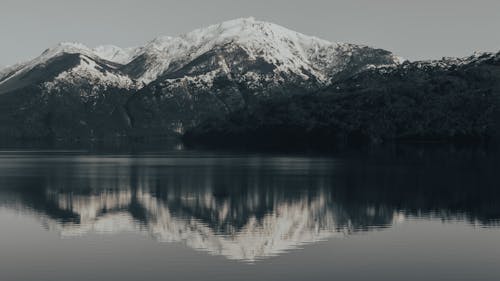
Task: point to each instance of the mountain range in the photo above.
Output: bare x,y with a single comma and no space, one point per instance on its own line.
199,83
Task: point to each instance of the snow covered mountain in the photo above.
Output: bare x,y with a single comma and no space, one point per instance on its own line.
171,82
221,68
282,50
174,83
289,51
69,64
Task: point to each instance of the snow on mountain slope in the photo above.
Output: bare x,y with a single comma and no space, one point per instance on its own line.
213,71
96,77
8,70
290,51
116,54
449,62
107,52
69,48
71,65
287,51
443,64
113,55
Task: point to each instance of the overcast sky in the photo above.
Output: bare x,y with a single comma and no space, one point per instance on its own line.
414,29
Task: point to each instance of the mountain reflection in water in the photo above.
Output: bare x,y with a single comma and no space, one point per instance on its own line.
245,207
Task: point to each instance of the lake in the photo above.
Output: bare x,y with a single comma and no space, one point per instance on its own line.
391,213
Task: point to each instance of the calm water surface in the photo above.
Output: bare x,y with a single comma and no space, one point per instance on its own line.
393,214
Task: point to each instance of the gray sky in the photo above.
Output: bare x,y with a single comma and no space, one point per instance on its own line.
414,29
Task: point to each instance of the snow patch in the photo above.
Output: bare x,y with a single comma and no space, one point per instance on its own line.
89,73
116,54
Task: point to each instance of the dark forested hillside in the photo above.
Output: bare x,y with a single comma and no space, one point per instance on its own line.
416,101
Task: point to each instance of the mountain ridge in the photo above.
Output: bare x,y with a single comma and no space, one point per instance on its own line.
171,85
195,43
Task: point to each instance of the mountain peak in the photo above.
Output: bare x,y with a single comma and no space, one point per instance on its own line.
273,43
241,30
115,54
107,52
64,47
247,28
